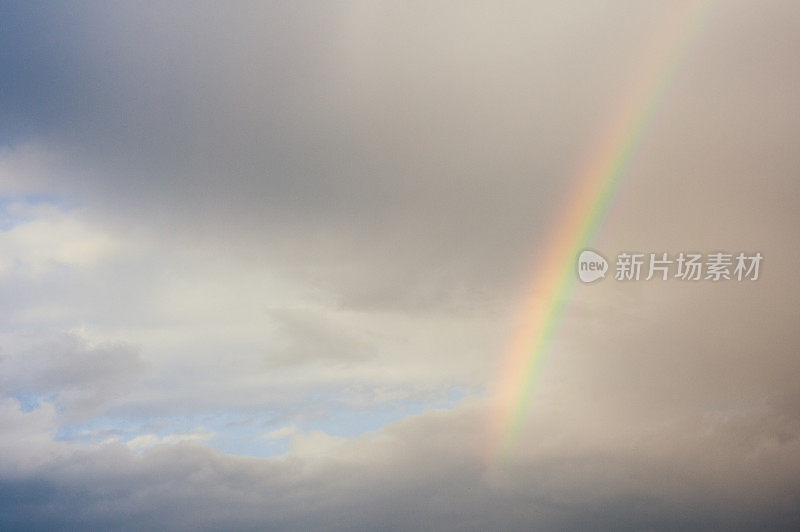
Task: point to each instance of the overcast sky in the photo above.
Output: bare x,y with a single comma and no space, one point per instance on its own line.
261,263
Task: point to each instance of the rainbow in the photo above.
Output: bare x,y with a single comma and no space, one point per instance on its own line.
598,179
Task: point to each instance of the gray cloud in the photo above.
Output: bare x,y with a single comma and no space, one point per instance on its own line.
350,201
84,378
400,166
427,472
309,339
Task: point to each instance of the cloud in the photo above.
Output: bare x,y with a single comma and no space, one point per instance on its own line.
310,216
84,378
283,432
394,167
49,238
326,125
145,441
428,472
310,340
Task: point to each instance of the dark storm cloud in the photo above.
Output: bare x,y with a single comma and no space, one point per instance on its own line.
352,136
426,473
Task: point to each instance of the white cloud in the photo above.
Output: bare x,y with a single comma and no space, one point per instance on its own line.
315,444
49,237
281,433
145,441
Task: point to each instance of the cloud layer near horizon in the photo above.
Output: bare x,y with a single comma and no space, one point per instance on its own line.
303,232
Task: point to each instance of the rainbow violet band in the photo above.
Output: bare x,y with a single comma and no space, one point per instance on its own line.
598,179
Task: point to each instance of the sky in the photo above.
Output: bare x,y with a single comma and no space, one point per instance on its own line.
262,266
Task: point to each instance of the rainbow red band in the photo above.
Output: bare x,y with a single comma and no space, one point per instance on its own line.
599,180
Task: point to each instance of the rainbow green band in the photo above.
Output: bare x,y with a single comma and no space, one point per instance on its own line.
599,182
